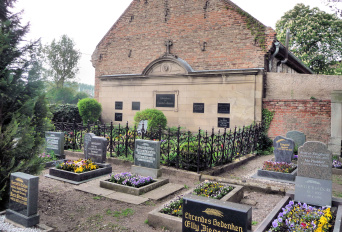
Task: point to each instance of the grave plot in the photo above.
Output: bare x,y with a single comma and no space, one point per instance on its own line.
311,206
170,214
282,168
54,149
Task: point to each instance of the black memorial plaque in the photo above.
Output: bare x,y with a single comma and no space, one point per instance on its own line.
135,105
19,195
205,214
97,149
198,108
223,108
118,117
118,105
223,122
165,100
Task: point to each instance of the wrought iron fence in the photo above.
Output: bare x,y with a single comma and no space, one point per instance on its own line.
181,149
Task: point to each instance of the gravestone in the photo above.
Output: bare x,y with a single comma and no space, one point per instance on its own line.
23,203
97,149
55,143
142,124
298,137
214,215
147,158
87,139
283,149
313,183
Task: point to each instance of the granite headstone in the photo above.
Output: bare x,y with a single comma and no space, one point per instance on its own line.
87,139
298,137
283,149
55,143
23,203
97,149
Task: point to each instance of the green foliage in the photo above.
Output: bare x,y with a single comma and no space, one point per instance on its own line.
267,117
65,113
315,38
155,118
24,115
89,109
265,145
63,95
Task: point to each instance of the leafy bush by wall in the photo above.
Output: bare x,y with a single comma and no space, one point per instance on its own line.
155,118
89,109
65,113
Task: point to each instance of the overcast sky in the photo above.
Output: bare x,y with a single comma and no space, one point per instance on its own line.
87,21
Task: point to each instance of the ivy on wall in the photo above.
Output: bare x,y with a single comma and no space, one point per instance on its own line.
267,117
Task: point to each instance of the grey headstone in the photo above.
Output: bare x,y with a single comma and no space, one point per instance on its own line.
147,153
23,203
315,161
283,149
97,149
141,124
55,143
298,137
313,191
87,139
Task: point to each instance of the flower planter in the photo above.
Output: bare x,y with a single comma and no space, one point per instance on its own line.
79,177
132,190
267,222
51,164
337,171
278,175
158,219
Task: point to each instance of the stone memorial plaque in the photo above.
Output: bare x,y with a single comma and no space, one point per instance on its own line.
87,139
118,117
223,108
205,214
23,203
198,108
223,122
298,137
313,191
283,149
142,124
315,161
147,153
97,149
165,100
135,105
55,143
118,105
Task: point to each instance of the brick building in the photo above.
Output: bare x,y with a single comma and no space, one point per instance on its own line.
202,62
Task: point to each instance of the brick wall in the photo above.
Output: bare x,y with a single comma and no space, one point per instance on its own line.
312,117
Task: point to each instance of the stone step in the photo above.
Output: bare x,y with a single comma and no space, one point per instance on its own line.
163,191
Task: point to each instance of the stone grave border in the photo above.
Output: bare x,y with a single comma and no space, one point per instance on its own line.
51,164
132,190
158,219
79,178
285,200
276,176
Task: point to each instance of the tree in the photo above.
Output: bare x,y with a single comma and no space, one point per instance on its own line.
335,6
23,108
316,37
155,118
62,59
89,109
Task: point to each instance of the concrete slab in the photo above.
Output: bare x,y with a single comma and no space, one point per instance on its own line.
163,191
128,198
94,189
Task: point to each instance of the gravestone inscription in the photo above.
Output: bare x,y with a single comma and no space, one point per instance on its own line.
223,108
165,100
55,143
298,137
205,214
23,203
147,153
198,108
118,117
283,149
118,105
87,139
223,122
97,149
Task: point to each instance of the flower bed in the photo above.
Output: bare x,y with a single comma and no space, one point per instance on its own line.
129,179
77,166
282,167
278,171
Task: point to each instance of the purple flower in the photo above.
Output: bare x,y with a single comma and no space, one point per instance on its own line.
275,223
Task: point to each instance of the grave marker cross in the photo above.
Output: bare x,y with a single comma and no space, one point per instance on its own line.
168,45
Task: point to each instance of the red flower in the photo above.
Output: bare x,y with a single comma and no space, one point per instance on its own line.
303,224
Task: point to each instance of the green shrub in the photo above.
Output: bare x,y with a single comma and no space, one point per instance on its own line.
155,118
89,109
65,113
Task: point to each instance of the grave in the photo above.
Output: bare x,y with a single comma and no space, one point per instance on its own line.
142,125
283,149
298,137
87,139
95,148
55,143
23,203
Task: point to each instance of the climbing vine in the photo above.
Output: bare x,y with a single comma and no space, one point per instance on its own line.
267,117
257,29
265,143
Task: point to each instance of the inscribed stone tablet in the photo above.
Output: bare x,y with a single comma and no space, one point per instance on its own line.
313,191
223,108
198,108
223,122
283,149
315,161
298,137
147,153
87,139
205,214
118,117
135,105
97,149
165,100
55,143
118,105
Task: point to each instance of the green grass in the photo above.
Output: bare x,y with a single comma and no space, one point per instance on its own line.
254,223
337,179
97,197
118,214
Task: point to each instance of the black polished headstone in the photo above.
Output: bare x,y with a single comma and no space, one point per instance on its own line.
223,122
223,108
283,149
198,108
147,153
55,143
206,214
23,203
118,105
118,117
87,139
165,100
97,149
135,105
